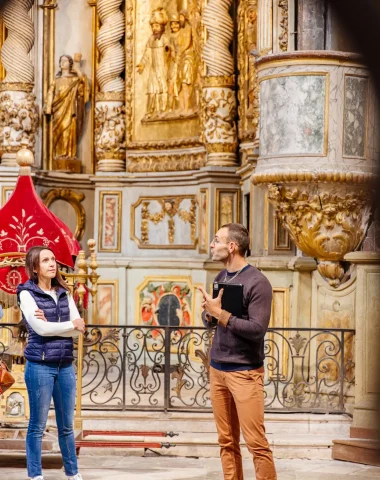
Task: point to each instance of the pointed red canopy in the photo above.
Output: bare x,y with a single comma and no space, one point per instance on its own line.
26,222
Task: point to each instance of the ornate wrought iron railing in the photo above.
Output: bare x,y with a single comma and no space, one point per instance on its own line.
167,368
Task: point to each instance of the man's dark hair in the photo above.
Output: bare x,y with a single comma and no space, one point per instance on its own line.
239,234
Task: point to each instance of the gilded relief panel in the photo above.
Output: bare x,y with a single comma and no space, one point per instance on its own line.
169,222
227,207
163,59
248,84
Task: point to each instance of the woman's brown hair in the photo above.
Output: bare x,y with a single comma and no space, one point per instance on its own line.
32,262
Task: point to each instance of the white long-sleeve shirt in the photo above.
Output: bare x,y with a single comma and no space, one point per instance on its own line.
29,306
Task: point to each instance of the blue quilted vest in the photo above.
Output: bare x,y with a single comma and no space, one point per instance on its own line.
48,349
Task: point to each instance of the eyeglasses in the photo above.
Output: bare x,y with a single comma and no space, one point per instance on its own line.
216,241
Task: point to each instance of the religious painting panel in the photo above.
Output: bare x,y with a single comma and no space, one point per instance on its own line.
169,222
203,221
277,354
163,70
110,221
227,207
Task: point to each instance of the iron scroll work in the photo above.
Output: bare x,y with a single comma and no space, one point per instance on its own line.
167,368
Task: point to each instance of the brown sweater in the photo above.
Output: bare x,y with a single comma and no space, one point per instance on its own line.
241,340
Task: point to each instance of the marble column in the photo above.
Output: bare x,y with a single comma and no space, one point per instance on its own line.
18,110
110,104
219,98
265,27
367,359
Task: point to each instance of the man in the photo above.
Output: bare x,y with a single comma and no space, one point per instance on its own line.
156,57
185,60
173,68
237,357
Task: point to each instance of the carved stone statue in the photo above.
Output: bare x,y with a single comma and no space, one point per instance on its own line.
156,58
66,102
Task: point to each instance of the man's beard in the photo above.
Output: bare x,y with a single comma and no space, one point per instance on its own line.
157,35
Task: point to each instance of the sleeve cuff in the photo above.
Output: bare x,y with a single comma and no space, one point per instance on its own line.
224,317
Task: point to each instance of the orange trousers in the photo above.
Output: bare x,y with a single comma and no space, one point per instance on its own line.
238,402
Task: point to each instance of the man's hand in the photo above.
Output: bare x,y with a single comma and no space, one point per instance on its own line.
213,306
40,315
79,325
140,67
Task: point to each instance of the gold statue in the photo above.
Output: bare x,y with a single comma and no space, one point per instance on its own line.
173,86
66,100
185,59
156,58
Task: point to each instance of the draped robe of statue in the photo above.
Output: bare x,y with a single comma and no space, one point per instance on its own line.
67,97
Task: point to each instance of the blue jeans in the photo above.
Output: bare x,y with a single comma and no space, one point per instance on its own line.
44,381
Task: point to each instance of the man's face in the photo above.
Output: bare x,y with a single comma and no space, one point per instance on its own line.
157,30
64,63
174,27
220,245
182,21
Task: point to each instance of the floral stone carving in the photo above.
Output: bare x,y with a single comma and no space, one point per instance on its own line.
18,120
324,222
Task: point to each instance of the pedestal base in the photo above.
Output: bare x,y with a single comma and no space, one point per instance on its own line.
111,165
222,159
69,165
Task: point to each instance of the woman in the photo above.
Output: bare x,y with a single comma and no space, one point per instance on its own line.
66,102
52,320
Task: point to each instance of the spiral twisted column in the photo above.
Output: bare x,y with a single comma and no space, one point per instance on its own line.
19,115
109,111
219,99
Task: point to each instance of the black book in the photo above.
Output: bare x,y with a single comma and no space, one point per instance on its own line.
232,299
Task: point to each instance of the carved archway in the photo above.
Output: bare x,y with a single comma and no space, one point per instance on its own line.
74,199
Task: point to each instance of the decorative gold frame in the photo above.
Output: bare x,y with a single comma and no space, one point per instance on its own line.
277,246
48,7
4,192
327,110
164,279
118,194
366,115
115,309
285,324
201,215
74,199
137,240
3,36
235,213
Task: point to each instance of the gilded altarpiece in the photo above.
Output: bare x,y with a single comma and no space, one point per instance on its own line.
248,92
163,82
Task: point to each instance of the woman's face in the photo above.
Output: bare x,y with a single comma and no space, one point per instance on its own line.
48,265
64,63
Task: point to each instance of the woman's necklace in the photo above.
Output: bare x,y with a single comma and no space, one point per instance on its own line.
236,274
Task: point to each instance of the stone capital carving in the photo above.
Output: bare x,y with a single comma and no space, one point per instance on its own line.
324,221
